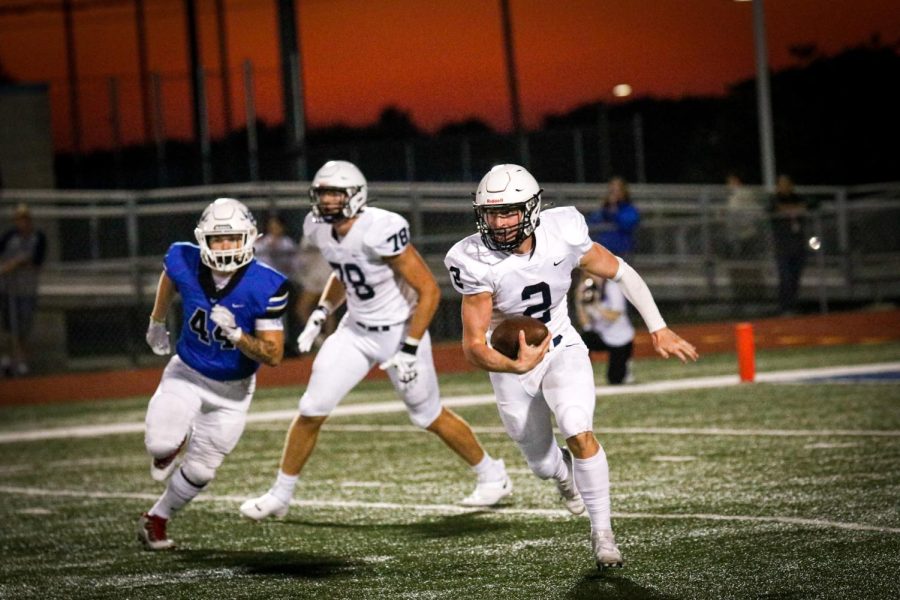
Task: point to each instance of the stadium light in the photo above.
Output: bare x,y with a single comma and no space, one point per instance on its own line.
623,90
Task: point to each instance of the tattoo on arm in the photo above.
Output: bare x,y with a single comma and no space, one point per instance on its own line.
263,351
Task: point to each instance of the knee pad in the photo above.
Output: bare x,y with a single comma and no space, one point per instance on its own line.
197,473
423,415
161,446
573,420
545,467
311,407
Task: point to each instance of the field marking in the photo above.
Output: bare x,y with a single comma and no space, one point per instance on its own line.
695,383
712,431
455,509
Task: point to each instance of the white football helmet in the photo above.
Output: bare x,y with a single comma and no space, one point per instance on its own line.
503,188
226,216
338,176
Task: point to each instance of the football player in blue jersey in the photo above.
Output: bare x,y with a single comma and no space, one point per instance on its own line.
232,323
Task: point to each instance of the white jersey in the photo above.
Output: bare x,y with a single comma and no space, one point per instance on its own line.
617,332
535,284
375,295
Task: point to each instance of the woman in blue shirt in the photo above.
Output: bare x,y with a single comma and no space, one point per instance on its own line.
613,224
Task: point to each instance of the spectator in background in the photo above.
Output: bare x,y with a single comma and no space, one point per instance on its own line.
790,215
278,250
742,220
603,316
613,224
22,250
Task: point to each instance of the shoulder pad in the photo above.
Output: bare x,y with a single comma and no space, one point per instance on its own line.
386,234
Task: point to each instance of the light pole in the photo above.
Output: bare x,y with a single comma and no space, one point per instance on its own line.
623,90
763,96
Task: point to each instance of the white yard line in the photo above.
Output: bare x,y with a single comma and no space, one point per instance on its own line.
695,383
454,509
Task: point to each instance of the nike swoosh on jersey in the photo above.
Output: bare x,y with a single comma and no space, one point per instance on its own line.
556,264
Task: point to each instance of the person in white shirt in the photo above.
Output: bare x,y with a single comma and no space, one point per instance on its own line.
391,297
603,315
520,263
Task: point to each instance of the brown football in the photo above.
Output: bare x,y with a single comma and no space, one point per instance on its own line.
505,338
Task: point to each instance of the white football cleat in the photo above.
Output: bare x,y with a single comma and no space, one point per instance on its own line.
265,506
567,489
489,493
606,553
161,468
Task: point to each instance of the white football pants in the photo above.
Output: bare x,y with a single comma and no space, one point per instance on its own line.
350,353
215,412
561,385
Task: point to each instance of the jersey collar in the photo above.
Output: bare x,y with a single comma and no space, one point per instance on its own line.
209,286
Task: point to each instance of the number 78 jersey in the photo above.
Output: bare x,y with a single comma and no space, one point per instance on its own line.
536,284
375,295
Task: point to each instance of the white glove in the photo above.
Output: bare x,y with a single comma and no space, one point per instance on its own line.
313,328
404,362
224,318
158,338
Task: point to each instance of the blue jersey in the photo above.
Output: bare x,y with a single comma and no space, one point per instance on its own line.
255,291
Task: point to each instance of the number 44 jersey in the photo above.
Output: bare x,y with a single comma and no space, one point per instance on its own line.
534,284
375,295
256,294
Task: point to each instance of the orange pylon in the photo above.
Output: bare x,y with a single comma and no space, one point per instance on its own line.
745,351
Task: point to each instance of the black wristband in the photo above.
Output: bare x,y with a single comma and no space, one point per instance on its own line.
408,348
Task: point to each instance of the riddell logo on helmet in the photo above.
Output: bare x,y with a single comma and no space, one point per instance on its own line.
494,201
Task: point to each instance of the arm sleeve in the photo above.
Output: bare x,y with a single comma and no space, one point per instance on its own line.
635,289
278,302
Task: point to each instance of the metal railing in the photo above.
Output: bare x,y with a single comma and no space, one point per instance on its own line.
105,249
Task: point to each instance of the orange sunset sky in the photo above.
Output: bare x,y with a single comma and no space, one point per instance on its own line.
441,60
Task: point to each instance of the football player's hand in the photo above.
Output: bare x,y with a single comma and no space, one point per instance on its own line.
666,343
313,328
224,318
529,356
158,338
404,363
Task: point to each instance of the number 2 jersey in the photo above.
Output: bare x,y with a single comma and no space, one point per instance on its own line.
256,293
534,284
375,294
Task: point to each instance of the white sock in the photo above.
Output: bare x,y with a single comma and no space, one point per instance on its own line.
592,481
178,492
284,486
489,469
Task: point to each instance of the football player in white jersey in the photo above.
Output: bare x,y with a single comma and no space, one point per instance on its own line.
520,263
391,297
232,309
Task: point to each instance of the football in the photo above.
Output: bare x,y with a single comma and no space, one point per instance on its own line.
505,338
